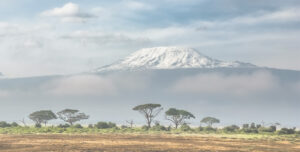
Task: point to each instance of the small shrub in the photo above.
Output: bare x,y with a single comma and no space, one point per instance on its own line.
4,124
267,129
273,128
210,129
252,126
245,126
250,130
90,126
38,126
14,124
185,127
158,127
145,127
232,128
101,125
287,131
63,126
105,125
112,125
124,127
200,128
77,126
169,128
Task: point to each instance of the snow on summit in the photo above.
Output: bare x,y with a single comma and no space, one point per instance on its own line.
169,58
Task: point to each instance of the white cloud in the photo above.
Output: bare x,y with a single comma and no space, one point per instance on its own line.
70,12
30,43
9,29
239,84
81,85
68,9
94,85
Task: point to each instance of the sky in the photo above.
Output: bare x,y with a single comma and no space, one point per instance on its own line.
71,38
65,37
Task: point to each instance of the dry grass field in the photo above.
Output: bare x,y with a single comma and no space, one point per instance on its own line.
143,143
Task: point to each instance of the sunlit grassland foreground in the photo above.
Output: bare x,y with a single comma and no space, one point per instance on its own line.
31,139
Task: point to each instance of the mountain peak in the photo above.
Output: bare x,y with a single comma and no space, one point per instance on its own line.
169,58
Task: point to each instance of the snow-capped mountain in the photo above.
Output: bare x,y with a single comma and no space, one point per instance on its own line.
169,58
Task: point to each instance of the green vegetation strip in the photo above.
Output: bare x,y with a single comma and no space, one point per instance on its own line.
116,130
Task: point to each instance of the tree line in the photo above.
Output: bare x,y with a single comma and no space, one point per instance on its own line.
178,118
69,116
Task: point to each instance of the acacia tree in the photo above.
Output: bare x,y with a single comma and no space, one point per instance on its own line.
177,116
71,115
149,111
210,121
42,116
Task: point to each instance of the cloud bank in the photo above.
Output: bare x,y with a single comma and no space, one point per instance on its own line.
94,85
81,85
235,84
211,85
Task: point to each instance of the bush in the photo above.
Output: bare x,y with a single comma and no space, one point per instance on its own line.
90,126
63,126
210,129
287,131
250,130
185,127
38,126
245,126
14,124
267,129
258,126
105,125
124,127
169,128
252,126
232,128
77,126
4,124
145,127
200,128
112,125
158,127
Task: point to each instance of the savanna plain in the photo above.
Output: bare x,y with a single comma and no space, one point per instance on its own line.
147,142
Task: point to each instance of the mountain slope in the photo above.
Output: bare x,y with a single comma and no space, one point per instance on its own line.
169,58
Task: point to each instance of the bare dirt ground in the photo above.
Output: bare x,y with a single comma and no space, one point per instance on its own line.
142,143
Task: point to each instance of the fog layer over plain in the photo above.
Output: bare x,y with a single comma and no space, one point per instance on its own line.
235,95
